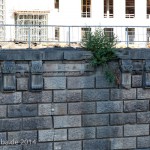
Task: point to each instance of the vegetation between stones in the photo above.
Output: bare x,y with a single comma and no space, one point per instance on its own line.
103,49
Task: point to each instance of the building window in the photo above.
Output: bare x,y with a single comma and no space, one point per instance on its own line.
57,33
148,9
130,8
108,9
56,4
86,8
109,32
130,35
84,32
37,31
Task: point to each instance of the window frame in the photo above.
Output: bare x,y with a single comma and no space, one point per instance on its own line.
56,4
86,8
111,8
129,8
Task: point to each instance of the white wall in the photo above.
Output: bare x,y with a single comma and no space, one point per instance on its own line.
69,13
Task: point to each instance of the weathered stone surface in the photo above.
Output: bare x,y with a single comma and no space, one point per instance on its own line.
55,83
127,68
138,54
67,95
12,147
101,82
95,120
143,117
80,82
126,80
123,143
125,94
77,73
57,54
54,74
59,109
8,67
53,67
135,106
95,94
22,110
108,132
36,82
136,81
52,109
9,82
126,65
32,55
9,55
3,136
147,65
69,145
124,54
138,65
146,79
22,68
129,94
22,84
96,144
81,108
143,149
45,109
36,67
109,107
10,124
143,142
3,111
77,109
81,133
37,97
122,118
116,94
143,93
38,146
37,123
22,135
73,67
136,130
52,135
77,55
53,55
67,121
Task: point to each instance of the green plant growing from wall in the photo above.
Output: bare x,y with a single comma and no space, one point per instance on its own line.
103,49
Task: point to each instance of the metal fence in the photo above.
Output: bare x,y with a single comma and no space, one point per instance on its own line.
38,36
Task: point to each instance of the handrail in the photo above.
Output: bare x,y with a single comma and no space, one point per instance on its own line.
67,34
130,15
108,15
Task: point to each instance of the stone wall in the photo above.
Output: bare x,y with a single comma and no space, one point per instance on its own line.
54,100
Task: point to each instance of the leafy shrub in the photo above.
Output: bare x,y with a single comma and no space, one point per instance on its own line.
103,49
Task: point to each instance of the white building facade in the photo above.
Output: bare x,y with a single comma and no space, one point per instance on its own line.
126,14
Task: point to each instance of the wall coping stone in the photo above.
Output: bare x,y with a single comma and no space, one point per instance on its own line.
67,54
